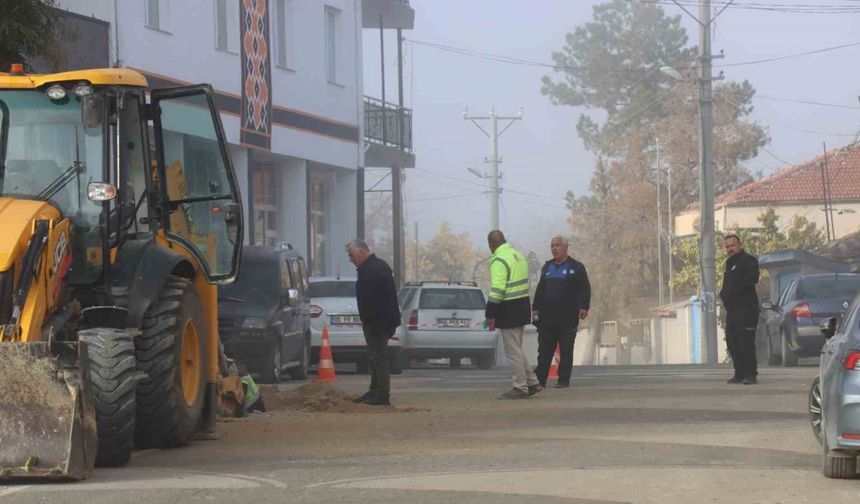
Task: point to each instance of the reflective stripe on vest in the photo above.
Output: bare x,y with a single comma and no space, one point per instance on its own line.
516,284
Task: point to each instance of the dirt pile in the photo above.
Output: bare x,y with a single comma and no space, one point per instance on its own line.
29,380
321,397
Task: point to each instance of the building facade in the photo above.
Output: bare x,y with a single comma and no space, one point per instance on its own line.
288,81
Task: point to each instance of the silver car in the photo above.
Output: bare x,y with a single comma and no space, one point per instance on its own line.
446,320
834,398
333,303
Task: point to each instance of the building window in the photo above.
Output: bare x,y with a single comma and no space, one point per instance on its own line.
265,207
332,40
282,33
227,26
157,14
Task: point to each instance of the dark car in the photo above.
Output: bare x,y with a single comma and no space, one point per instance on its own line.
263,316
792,324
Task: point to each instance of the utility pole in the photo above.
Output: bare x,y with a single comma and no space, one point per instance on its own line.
494,158
706,187
659,233
671,239
416,252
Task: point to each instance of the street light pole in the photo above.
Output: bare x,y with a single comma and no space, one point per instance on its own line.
671,239
659,233
494,159
706,187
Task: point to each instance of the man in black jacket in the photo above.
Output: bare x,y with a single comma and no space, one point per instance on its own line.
741,304
562,299
380,315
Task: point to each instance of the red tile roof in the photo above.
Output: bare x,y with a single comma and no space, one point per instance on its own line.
803,182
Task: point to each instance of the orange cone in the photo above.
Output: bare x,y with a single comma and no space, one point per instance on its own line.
325,368
553,368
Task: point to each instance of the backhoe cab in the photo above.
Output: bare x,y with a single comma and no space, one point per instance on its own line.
119,217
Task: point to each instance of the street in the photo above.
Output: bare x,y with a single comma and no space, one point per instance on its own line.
635,434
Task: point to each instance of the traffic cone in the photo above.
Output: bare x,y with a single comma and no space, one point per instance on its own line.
553,368
325,368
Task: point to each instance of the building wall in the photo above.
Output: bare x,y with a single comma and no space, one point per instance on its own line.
747,217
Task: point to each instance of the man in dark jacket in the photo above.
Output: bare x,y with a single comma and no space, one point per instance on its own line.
562,299
380,315
741,304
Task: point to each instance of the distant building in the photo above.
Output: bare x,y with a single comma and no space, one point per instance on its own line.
797,190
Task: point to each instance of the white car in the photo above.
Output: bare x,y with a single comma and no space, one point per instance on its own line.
333,303
446,320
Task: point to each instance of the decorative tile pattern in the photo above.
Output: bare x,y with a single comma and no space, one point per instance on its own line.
256,74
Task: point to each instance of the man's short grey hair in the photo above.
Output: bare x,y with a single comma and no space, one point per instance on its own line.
357,244
563,240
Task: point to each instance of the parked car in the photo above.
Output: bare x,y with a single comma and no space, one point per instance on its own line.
333,303
263,317
446,320
792,324
834,397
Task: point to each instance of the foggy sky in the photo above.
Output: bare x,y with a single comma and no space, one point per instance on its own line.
542,154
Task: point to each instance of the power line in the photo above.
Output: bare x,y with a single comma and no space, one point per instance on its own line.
767,7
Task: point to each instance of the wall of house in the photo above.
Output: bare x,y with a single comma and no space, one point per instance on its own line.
846,217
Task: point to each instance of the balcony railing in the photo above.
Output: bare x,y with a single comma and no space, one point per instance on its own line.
387,124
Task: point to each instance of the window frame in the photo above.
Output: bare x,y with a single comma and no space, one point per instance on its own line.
236,50
332,33
162,11
283,14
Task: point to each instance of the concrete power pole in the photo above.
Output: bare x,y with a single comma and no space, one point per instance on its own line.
494,159
659,233
706,187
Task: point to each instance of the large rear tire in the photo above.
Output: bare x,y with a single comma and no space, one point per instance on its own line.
171,352
112,382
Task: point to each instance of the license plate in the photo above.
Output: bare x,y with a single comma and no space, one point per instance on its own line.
345,320
453,322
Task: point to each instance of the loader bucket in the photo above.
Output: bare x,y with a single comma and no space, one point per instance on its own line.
47,422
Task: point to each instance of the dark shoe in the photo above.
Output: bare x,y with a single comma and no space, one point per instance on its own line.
750,381
514,394
534,389
734,380
363,399
378,401
562,384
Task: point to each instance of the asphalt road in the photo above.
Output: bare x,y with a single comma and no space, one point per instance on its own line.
639,435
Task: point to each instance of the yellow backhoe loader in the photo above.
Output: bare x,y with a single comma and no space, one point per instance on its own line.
119,216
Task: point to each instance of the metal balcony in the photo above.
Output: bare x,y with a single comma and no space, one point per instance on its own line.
388,134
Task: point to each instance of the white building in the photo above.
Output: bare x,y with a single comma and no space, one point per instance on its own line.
288,81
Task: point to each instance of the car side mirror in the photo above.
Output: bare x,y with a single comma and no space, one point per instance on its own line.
828,327
293,297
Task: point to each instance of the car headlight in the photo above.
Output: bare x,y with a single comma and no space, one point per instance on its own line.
254,323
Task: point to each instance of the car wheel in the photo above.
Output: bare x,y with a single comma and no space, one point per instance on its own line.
455,362
772,358
485,361
300,372
271,371
395,363
789,358
815,410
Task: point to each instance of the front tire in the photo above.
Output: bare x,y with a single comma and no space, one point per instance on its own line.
485,361
171,352
270,372
113,378
395,362
300,372
814,406
789,358
772,358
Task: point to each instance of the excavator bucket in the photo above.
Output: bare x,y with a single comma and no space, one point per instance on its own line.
47,422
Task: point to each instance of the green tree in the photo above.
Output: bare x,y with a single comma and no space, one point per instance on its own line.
28,30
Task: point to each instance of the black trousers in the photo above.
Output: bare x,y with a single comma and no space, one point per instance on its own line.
377,356
740,339
550,334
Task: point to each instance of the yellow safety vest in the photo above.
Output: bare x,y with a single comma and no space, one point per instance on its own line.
509,275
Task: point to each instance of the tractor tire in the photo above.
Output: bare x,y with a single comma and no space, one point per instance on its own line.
171,352
112,382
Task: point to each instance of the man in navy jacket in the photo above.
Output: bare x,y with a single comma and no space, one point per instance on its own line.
376,295
562,299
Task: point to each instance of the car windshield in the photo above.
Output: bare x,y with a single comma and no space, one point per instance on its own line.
334,288
47,153
451,299
257,283
828,287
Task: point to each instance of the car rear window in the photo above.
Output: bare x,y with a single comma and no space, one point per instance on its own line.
828,287
451,299
332,289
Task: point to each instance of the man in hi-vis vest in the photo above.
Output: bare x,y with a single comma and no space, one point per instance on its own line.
508,306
